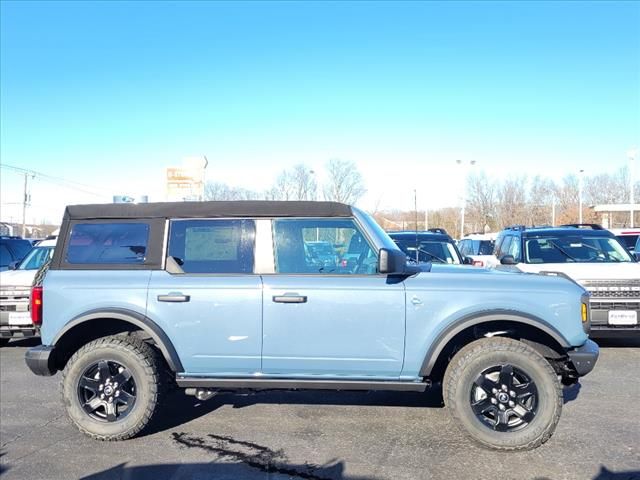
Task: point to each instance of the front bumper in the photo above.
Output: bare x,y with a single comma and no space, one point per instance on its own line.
13,331
40,360
584,358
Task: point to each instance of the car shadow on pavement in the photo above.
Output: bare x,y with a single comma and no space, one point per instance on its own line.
188,471
23,342
180,409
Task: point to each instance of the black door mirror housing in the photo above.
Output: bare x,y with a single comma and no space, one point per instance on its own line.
508,260
14,265
637,256
467,261
392,261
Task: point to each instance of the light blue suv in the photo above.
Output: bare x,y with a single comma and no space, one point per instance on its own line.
218,296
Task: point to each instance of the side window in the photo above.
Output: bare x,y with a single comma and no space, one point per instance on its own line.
463,246
108,243
504,246
514,248
322,246
213,246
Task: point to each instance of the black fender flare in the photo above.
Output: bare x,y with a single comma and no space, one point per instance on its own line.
478,318
141,321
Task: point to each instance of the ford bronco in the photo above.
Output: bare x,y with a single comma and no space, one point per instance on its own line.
218,296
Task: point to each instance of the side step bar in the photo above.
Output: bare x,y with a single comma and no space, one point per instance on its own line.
281,384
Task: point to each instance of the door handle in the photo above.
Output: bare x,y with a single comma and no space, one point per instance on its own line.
290,298
174,298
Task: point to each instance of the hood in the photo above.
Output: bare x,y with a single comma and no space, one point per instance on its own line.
588,271
17,278
467,269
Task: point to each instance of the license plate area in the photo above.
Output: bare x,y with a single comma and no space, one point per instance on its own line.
623,317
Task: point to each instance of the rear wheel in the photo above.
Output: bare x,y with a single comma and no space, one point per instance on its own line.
110,387
503,393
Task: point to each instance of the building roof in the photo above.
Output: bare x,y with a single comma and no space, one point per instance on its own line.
208,210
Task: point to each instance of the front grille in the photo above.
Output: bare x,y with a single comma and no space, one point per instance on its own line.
624,289
615,305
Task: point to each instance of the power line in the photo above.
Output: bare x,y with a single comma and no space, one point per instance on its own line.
56,180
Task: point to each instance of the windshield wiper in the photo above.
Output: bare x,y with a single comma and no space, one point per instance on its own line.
562,250
432,256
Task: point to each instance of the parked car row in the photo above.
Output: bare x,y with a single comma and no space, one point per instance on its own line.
15,288
599,260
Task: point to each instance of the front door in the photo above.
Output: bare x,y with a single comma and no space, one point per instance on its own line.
208,299
326,309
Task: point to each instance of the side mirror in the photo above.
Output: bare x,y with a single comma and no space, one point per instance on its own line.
508,260
14,265
391,261
467,260
637,256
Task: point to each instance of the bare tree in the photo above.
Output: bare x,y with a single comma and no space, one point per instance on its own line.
299,183
222,191
512,197
344,182
542,197
481,201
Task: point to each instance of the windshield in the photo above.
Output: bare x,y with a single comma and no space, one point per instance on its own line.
482,247
430,251
575,250
36,258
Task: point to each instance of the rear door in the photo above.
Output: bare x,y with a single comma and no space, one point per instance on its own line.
207,299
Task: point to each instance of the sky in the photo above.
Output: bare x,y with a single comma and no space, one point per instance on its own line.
109,94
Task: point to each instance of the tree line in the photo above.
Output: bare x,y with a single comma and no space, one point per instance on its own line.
343,183
493,204
490,204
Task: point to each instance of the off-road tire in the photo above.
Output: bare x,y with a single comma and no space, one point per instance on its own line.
146,369
467,365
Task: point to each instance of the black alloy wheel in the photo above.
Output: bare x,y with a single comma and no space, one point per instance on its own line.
107,391
504,398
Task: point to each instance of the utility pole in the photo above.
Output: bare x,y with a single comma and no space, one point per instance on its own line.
24,206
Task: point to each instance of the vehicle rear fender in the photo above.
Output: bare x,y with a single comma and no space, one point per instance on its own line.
136,320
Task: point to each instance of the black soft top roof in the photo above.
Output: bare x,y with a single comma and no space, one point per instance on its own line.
208,210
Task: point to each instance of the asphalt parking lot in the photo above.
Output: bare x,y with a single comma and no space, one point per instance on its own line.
319,435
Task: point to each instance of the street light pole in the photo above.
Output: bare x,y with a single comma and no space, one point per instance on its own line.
580,187
464,193
632,156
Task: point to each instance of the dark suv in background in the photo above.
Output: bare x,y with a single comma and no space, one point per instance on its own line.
12,251
434,245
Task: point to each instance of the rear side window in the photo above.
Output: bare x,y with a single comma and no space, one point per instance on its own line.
108,243
213,246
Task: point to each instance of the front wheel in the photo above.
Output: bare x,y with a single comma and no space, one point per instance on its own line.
503,393
110,387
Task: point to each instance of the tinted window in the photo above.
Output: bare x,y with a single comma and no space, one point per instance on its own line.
485,247
437,251
5,256
20,248
213,246
322,246
465,247
108,243
628,241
